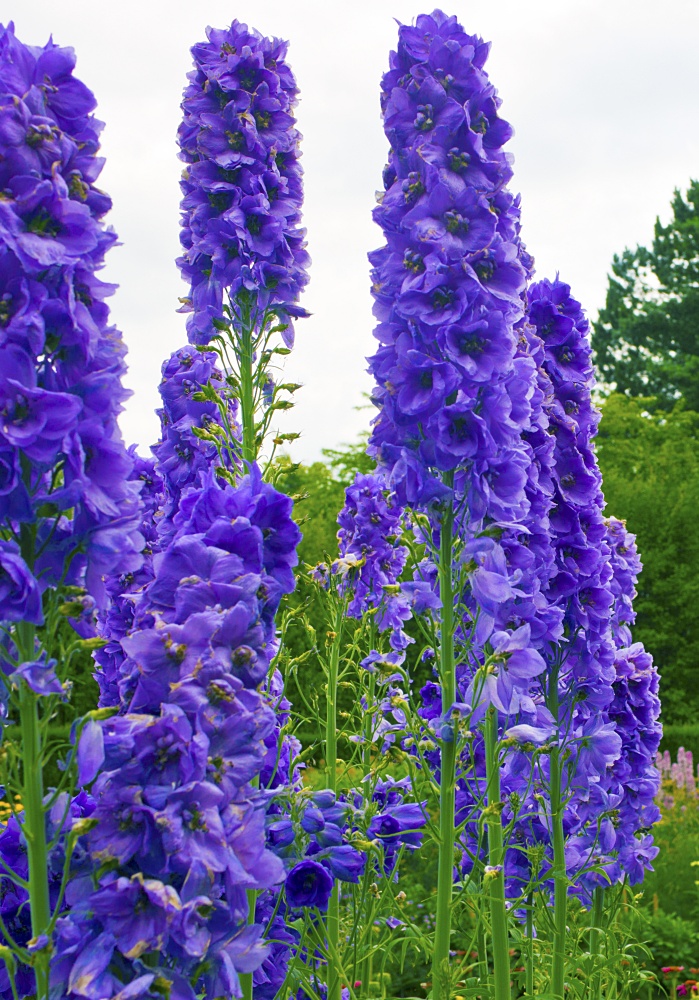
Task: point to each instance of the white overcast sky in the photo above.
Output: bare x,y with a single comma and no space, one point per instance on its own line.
603,96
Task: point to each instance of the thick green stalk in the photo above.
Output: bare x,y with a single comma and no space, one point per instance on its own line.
365,968
247,402
529,973
596,938
560,882
247,419
34,825
441,973
496,860
333,918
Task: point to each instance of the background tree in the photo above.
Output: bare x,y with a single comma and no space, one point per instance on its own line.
650,468
646,339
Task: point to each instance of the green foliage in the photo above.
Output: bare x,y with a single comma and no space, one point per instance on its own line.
672,885
671,940
650,465
318,497
676,736
646,339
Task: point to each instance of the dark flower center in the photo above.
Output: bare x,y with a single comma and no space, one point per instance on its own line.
219,200
78,188
412,187
424,120
216,694
36,134
458,160
412,261
442,297
459,428
235,140
247,79
485,269
455,223
263,119
470,344
43,224
253,224
16,412
194,820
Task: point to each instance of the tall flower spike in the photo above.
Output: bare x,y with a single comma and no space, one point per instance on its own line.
454,398
60,362
593,582
67,496
242,187
244,250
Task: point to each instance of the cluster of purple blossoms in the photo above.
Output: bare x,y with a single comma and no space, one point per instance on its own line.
14,899
64,471
461,386
634,777
592,584
180,824
69,502
242,184
487,408
447,284
456,390
197,433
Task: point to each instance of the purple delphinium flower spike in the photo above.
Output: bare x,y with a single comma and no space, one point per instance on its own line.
242,195
61,363
67,494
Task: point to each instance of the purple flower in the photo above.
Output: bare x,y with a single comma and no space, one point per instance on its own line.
39,676
308,884
20,597
138,912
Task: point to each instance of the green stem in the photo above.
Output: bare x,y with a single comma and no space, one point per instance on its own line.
247,419
560,881
596,939
34,825
333,918
441,973
529,974
496,860
247,405
480,942
365,968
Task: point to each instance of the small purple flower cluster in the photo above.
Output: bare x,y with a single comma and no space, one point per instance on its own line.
14,908
242,184
64,471
196,433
